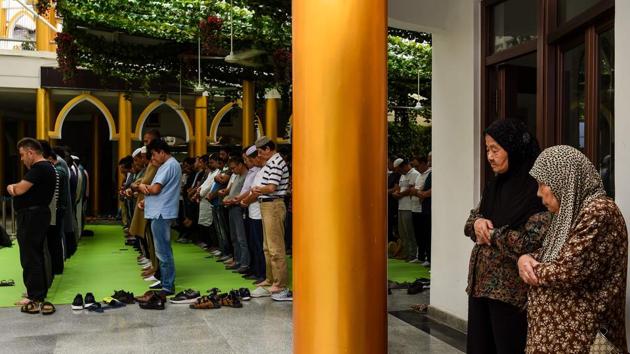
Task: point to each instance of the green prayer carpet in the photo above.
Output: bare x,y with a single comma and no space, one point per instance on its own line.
103,264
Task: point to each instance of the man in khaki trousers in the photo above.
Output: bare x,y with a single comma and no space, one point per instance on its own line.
271,193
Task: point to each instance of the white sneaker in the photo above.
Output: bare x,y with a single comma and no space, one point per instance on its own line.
415,260
261,292
284,295
151,278
426,264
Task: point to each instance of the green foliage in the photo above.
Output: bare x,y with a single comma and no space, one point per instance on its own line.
408,139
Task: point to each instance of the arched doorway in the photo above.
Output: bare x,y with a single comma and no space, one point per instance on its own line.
171,120
86,126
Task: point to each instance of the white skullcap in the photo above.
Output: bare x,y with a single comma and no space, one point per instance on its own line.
74,157
250,150
136,152
397,162
143,150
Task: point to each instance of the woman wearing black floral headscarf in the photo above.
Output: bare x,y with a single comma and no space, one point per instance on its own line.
509,222
578,276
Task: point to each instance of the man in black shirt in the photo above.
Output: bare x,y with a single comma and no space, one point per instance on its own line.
31,199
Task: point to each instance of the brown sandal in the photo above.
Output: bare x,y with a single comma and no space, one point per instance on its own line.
230,300
30,308
206,303
48,308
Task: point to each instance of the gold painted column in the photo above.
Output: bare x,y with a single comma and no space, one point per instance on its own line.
52,18
42,115
272,98
249,98
96,165
124,130
3,20
340,92
42,36
201,126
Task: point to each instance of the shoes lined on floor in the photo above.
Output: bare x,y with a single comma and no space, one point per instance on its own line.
187,296
261,292
124,297
154,302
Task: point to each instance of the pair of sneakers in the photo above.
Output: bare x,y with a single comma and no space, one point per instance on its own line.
81,303
282,295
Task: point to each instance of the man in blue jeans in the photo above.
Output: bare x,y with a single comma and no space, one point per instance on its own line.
161,207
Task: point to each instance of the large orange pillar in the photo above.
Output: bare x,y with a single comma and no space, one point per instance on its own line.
201,126
340,92
249,114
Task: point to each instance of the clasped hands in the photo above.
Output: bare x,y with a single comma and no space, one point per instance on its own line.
526,263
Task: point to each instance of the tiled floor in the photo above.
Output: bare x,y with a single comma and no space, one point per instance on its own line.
262,326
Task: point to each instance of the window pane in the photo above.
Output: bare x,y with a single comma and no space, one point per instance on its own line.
573,97
606,120
514,23
568,9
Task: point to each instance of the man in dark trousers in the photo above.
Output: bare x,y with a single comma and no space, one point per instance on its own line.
31,198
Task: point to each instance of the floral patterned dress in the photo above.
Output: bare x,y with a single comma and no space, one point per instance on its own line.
584,288
493,270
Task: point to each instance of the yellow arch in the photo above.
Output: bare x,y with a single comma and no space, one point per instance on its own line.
14,19
63,114
152,107
214,126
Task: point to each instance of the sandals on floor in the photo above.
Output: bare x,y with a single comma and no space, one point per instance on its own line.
31,308
206,303
47,308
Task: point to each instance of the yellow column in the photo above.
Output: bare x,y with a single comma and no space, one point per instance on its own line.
249,98
96,165
124,130
340,92
42,35
271,114
3,21
52,18
42,120
201,126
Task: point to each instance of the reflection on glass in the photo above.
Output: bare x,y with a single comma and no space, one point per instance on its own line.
606,119
573,97
514,23
568,9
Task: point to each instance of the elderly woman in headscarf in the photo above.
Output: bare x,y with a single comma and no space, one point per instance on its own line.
578,276
509,222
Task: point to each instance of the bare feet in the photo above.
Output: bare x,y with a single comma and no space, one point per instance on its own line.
275,289
23,302
264,283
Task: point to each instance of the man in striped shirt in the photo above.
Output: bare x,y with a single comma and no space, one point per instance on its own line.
271,192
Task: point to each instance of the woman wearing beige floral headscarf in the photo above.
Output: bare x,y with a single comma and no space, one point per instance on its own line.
578,277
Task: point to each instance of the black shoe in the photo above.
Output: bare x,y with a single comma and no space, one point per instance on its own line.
89,300
244,294
188,296
241,270
224,258
156,302
77,304
416,287
249,276
124,297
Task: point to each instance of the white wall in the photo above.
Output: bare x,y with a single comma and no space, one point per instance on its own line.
21,69
455,87
622,116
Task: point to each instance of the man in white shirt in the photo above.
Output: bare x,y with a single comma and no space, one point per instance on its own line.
406,204
421,164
